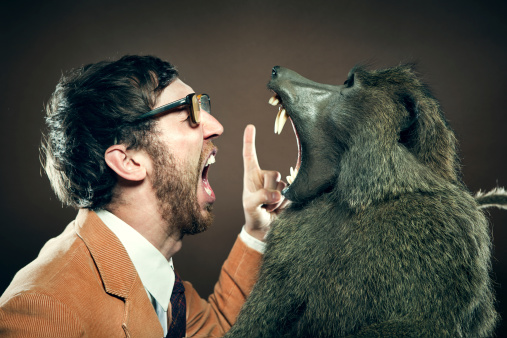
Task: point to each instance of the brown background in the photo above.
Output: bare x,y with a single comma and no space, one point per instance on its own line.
227,49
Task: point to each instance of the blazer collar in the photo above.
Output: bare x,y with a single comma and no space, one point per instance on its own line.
113,263
119,275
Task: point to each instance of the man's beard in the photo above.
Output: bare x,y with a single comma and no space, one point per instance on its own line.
176,191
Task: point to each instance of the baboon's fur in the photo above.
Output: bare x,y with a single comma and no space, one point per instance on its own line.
496,198
382,237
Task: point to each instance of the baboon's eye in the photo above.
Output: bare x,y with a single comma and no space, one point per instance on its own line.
350,81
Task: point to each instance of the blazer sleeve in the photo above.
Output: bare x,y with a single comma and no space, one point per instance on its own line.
37,315
213,318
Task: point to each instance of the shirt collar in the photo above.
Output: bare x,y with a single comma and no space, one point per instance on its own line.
155,271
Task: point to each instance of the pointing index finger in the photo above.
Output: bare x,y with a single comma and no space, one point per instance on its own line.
249,154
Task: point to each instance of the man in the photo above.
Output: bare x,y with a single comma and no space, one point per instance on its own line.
130,144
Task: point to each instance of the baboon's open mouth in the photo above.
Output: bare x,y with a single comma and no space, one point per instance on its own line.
281,119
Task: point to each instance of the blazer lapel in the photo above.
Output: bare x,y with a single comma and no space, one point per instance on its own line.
118,275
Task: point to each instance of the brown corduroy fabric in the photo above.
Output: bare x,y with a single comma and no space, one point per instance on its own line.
83,284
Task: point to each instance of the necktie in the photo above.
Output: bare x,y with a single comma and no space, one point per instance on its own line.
179,309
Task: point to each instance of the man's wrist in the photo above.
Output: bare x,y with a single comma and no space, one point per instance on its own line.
252,241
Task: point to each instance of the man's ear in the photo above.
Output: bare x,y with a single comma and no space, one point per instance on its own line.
128,164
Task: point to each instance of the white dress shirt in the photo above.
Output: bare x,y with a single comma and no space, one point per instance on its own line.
155,271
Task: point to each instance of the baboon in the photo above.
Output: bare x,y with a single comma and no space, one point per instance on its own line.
381,238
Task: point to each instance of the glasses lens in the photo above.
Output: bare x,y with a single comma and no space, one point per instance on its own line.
205,103
195,114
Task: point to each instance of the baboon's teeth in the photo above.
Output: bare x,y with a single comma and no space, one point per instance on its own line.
274,100
280,120
276,121
283,119
293,174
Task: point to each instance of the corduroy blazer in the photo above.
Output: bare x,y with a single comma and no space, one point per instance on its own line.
83,284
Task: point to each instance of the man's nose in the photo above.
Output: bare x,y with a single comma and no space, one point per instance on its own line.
210,126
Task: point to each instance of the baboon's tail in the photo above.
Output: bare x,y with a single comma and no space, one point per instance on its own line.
495,198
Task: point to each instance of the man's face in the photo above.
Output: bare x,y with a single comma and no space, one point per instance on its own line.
180,156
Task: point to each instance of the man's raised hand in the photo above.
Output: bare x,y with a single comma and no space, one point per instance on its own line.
262,198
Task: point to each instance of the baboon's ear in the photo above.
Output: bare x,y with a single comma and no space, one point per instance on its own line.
355,76
409,126
410,104
433,141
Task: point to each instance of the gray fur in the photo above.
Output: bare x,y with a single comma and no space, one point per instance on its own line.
495,198
382,237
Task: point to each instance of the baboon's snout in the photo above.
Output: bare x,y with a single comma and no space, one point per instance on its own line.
287,84
283,74
274,72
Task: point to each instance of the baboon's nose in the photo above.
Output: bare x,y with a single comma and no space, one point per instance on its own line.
274,72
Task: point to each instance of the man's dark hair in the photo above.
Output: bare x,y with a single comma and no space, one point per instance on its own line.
92,108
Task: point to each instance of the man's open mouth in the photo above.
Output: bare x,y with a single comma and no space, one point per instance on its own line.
204,176
281,119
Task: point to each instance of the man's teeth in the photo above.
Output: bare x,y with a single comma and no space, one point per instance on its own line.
280,120
211,160
208,191
293,174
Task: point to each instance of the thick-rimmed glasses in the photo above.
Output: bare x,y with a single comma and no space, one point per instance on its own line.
194,101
